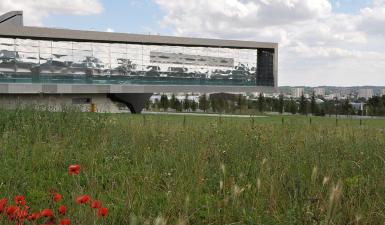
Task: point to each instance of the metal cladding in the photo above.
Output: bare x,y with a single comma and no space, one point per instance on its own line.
46,56
14,18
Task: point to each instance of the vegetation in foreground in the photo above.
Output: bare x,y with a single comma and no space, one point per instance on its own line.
186,170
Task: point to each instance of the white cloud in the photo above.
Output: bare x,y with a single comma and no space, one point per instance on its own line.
36,10
110,30
315,41
372,20
219,15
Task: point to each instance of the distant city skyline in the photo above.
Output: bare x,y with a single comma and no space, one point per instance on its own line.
334,43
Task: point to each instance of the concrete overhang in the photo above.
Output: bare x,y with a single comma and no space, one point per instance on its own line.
41,33
25,88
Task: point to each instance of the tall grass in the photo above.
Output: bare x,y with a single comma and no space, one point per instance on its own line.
170,170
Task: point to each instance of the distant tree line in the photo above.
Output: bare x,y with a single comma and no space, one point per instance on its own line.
375,106
239,104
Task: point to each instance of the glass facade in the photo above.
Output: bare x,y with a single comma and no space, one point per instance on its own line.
42,61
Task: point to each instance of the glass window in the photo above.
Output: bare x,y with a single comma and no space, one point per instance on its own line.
62,45
137,63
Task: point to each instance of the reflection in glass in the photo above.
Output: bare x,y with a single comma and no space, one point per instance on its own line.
133,63
8,55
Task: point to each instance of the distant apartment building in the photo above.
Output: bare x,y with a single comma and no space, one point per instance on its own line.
319,92
365,93
297,92
337,95
345,92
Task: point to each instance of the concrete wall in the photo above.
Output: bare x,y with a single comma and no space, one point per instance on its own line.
59,102
19,88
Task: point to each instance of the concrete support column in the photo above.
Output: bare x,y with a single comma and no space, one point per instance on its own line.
134,101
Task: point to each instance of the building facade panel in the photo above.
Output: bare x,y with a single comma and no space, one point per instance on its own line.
45,61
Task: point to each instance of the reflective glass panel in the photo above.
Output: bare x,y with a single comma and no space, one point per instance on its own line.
133,63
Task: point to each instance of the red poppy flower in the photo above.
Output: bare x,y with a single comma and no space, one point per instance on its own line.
96,204
21,214
51,221
102,212
20,200
34,216
62,210
11,210
65,222
46,213
82,199
3,204
56,197
74,169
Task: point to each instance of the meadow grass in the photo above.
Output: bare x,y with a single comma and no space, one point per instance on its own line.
157,169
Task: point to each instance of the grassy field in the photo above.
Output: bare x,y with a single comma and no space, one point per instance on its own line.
197,170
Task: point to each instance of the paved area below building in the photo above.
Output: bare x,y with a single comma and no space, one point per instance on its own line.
202,114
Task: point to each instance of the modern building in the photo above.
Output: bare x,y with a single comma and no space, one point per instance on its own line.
83,67
358,106
365,93
320,92
297,92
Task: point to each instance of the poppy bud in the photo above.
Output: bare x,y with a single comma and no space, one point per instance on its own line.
62,210
102,212
74,169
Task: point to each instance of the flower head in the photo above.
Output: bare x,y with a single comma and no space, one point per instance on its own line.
34,216
74,169
65,222
11,210
21,214
82,199
96,204
56,197
50,221
62,210
3,204
102,212
46,213
20,200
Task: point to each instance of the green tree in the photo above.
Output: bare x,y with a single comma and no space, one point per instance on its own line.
173,103
347,108
178,106
241,103
303,105
293,107
148,105
281,104
261,103
313,105
194,106
376,106
186,103
157,104
164,102
329,107
231,107
220,104
213,103
204,104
